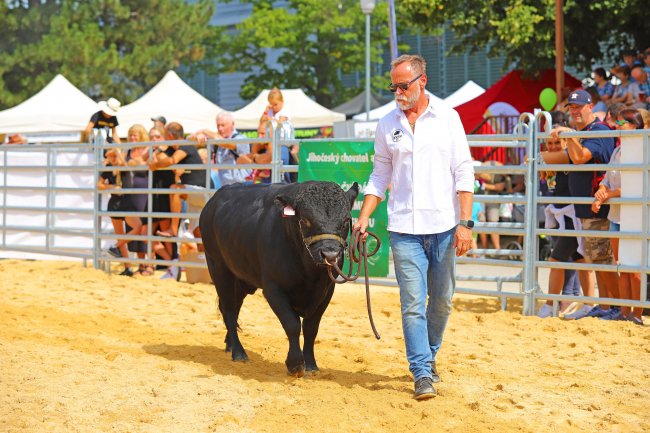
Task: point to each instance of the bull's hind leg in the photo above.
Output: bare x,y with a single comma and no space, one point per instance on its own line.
310,326
231,297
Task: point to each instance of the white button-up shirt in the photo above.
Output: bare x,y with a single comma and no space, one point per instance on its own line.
425,169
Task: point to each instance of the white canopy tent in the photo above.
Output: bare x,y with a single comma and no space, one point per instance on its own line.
466,92
305,113
172,98
380,112
58,107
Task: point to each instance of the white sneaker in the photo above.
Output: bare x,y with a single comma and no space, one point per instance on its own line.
172,272
579,313
545,311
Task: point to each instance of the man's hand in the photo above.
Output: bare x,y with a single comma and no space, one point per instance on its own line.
555,132
362,225
152,163
462,240
595,206
601,195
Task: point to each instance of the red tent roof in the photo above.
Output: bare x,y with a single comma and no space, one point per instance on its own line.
521,93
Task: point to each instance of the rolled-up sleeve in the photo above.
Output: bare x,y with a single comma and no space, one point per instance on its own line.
382,167
461,161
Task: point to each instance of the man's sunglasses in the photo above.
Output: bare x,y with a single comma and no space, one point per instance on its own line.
404,86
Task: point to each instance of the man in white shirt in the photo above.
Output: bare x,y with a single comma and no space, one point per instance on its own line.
421,151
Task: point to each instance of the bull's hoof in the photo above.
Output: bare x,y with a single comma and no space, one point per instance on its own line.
239,357
296,371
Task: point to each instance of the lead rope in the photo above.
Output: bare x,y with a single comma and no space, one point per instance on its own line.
358,245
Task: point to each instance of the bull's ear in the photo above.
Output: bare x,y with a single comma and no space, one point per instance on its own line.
352,193
284,200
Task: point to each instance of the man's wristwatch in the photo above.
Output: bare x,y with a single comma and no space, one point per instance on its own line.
467,223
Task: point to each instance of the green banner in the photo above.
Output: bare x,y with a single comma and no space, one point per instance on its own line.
345,163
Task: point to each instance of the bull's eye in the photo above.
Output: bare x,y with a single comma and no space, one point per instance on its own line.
305,223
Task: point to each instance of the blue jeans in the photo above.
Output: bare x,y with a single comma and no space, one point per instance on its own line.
425,267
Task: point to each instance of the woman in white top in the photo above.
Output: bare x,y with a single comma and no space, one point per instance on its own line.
610,187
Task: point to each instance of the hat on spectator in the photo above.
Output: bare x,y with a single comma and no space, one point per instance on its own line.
579,97
160,119
110,106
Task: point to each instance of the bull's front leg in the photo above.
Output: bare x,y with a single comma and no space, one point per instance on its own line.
310,326
290,321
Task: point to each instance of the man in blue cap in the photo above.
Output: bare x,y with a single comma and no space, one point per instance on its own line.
591,150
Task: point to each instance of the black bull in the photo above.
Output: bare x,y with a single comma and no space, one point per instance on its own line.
253,240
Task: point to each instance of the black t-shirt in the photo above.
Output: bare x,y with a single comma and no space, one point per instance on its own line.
581,182
99,121
192,177
561,188
163,178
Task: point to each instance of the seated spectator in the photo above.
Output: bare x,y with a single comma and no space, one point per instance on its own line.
627,92
194,180
264,155
630,58
646,61
275,113
641,77
603,85
105,120
610,187
600,109
114,181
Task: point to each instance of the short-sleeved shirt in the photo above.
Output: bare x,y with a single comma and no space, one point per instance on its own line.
228,156
99,121
192,177
606,90
581,183
629,87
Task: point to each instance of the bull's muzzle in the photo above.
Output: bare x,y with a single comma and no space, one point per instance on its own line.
329,257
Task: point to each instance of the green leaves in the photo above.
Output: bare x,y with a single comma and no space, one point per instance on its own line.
105,47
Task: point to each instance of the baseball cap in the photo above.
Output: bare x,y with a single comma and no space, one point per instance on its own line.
579,97
160,119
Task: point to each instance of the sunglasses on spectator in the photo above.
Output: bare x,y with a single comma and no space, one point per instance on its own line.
404,86
621,122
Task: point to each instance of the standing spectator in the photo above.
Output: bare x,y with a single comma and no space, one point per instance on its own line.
138,156
492,184
612,114
106,120
627,92
421,150
610,187
641,77
584,184
114,181
603,85
159,122
565,248
189,180
226,153
264,155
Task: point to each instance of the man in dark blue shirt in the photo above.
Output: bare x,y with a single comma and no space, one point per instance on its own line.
591,150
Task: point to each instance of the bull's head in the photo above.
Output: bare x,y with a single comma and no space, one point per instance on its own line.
322,217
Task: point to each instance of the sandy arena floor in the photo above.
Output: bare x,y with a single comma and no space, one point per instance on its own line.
84,352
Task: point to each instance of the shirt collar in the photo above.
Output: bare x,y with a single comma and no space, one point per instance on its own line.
431,108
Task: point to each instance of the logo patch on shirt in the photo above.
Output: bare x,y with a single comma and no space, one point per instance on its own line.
397,135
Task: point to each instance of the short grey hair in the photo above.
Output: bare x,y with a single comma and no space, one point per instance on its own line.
417,62
225,115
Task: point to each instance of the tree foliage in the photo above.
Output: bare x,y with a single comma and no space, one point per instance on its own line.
106,47
524,30
315,42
